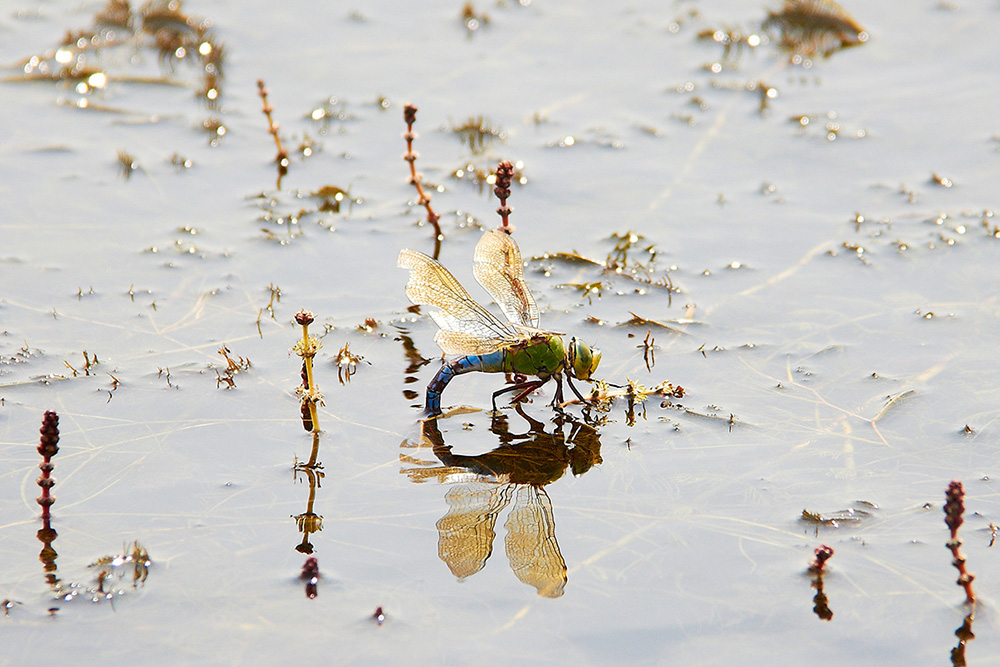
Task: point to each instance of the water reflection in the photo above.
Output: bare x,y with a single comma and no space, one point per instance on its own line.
817,570
415,360
964,634
519,470
309,522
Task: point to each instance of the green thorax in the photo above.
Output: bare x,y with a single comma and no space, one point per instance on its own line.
543,355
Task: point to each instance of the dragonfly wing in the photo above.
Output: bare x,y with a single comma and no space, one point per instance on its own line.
454,342
499,269
466,532
531,543
433,285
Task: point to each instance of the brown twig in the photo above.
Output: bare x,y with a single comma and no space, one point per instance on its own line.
954,508
505,173
424,199
281,159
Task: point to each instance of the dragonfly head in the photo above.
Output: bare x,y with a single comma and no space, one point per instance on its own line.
583,359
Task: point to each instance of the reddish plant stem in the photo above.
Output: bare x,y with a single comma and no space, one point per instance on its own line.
281,159
818,564
954,508
423,198
817,568
505,174
48,447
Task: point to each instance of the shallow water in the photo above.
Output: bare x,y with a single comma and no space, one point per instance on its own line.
830,365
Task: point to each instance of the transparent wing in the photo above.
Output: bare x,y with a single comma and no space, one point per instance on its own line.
531,542
466,532
499,269
466,326
453,342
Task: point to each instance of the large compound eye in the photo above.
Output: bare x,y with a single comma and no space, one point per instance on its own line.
582,359
595,360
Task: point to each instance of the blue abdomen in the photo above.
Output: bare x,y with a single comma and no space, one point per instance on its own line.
486,363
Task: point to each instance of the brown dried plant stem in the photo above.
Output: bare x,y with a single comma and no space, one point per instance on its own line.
48,447
954,508
423,198
504,176
281,159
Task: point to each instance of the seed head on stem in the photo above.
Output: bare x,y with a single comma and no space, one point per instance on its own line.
505,174
818,564
954,508
416,179
308,391
48,446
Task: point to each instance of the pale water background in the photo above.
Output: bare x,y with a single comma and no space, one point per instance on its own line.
830,365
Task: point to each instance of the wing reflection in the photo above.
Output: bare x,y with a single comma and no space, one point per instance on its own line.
531,543
485,484
466,532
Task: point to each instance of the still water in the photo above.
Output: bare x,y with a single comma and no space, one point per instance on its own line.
807,246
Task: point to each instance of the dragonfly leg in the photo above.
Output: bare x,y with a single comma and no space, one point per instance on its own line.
557,401
524,388
575,391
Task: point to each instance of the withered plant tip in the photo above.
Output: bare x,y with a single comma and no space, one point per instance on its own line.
505,174
416,179
818,564
48,447
281,159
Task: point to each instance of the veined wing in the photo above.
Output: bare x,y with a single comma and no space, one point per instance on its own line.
466,532
499,269
466,326
531,543
453,342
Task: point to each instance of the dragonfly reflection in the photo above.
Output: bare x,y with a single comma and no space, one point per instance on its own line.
485,484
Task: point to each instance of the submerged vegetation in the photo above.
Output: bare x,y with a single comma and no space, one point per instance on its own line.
161,27
815,27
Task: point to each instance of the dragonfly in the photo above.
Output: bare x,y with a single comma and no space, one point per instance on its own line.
488,344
